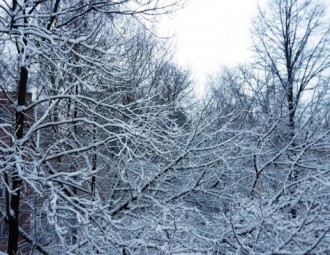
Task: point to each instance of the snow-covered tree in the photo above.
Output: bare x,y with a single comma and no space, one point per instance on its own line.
280,191
75,152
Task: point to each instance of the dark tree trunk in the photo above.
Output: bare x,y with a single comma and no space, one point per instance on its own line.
13,216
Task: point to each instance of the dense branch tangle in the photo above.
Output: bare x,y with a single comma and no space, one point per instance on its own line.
89,115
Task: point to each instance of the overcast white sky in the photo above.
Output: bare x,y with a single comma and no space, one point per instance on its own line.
211,33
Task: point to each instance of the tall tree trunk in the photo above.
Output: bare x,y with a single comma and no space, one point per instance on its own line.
13,216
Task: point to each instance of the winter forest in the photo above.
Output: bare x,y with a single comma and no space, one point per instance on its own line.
105,148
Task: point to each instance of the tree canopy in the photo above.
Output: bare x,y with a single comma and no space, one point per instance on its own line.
104,148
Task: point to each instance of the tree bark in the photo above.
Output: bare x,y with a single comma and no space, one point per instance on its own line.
13,216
